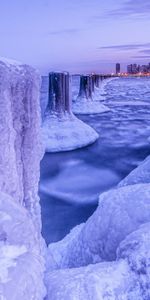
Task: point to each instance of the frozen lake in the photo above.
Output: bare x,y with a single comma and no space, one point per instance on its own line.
71,181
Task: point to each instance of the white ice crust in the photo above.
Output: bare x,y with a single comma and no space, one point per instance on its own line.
66,132
108,257
84,107
21,262
21,246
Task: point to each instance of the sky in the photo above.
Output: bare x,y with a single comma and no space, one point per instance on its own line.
75,35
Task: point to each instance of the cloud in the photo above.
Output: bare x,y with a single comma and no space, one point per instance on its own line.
65,31
145,51
130,8
127,47
141,56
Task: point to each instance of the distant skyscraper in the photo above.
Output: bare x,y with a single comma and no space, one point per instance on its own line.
135,69
129,69
117,68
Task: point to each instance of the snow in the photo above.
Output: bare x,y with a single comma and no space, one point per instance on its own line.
21,245
10,62
66,132
83,106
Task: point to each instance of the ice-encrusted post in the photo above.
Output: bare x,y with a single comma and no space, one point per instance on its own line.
68,102
90,87
97,81
93,83
59,93
88,93
62,131
84,87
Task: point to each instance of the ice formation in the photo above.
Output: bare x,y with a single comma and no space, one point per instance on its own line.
127,278
21,245
118,214
89,92
107,257
62,131
139,175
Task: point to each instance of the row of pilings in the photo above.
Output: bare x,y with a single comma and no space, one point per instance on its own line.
62,130
59,99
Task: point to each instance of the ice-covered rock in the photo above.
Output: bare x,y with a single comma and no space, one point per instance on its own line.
20,140
127,278
62,131
21,246
21,262
105,281
139,175
120,212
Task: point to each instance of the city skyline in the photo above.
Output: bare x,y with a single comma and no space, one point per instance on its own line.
74,36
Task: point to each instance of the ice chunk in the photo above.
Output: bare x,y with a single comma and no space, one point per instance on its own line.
21,263
139,175
105,281
125,279
120,212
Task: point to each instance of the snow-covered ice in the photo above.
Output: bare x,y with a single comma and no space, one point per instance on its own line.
84,107
21,245
21,263
127,278
139,175
64,133
118,214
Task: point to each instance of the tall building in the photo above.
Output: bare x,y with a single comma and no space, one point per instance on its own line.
129,69
117,68
135,69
